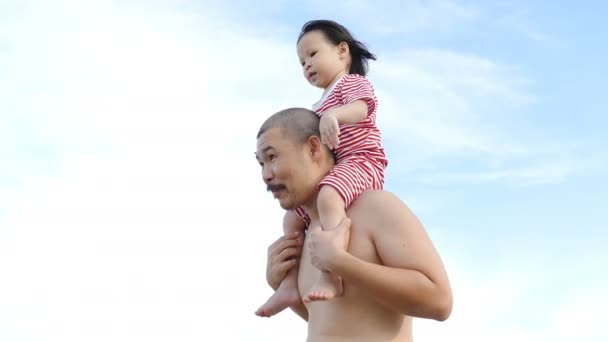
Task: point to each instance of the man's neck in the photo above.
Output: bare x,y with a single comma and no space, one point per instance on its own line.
325,165
312,210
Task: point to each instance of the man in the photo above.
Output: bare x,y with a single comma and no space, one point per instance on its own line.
390,269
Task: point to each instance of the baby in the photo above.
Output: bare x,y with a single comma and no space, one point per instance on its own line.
337,63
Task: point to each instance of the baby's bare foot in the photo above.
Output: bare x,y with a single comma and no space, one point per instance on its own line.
327,287
283,298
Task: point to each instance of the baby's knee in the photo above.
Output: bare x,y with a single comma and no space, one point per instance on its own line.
329,197
327,192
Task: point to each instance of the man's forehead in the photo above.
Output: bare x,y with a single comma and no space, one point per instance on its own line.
271,139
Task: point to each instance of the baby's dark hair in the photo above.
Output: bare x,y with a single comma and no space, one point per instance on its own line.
336,34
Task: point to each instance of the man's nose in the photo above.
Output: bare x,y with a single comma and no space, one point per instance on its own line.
267,173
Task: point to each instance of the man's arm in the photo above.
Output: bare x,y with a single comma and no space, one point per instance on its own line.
283,255
412,279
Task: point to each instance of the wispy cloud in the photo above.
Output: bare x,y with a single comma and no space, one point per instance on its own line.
449,90
550,172
443,102
393,16
441,107
519,22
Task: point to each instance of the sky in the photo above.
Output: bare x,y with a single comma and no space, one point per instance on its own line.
132,207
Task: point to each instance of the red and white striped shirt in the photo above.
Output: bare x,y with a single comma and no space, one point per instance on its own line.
362,138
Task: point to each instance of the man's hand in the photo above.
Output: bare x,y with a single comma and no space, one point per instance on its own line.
326,246
283,255
330,130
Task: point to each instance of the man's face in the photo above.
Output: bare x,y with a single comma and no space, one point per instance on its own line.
285,168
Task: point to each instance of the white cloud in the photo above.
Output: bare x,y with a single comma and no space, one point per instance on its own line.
135,249
479,300
580,318
499,305
147,236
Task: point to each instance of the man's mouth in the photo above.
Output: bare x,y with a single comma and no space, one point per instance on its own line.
276,193
275,189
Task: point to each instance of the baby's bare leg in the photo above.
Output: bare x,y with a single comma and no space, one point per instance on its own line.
331,213
287,294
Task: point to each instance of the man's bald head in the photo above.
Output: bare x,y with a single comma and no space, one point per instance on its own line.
298,124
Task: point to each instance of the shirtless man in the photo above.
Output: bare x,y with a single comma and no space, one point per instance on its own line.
390,268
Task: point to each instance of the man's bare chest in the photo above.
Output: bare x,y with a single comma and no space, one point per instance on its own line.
360,246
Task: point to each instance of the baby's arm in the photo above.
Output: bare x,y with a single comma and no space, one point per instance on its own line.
349,113
358,100
359,103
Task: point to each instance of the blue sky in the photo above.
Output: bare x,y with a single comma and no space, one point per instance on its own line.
125,128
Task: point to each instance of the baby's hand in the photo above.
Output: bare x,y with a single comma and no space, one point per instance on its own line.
329,130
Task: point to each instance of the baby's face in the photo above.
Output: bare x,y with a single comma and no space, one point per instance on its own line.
320,59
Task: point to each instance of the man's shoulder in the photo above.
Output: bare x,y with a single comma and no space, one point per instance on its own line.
380,211
375,202
374,195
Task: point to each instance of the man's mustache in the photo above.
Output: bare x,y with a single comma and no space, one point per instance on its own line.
271,188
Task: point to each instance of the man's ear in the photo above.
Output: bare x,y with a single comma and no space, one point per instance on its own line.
315,146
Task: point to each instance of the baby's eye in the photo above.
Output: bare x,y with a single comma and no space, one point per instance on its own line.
313,53
272,156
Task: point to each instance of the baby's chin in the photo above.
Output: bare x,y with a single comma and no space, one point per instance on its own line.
316,84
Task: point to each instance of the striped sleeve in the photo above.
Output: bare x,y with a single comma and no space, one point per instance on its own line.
356,87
